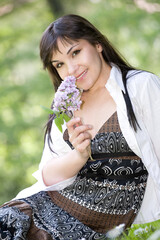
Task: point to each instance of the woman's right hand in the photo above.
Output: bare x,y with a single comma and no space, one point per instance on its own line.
56,170
79,136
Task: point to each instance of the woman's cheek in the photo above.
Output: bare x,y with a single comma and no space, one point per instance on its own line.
61,74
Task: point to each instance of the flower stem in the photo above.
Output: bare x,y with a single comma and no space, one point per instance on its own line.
90,155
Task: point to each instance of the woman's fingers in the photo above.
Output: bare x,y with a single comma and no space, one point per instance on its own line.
83,147
79,135
80,138
79,130
75,127
71,125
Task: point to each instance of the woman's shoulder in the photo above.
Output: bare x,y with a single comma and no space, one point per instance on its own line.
141,78
143,84
139,74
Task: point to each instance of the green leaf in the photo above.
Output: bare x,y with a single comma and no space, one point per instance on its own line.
58,124
61,118
66,117
48,110
56,113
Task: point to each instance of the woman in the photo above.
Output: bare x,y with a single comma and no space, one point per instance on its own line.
76,198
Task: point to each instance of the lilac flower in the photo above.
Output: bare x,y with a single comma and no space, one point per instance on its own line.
67,97
66,101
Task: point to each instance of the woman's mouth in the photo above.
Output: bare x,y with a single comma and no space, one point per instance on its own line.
81,76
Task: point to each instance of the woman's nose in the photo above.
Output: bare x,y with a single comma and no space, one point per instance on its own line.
72,68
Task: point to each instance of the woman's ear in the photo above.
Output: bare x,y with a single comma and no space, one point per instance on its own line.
99,47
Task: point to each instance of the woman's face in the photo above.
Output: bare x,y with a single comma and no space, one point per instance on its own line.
80,59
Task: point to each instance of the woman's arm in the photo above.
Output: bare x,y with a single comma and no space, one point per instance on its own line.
145,93
148,97
68,165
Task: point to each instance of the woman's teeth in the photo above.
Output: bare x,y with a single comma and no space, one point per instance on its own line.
81,75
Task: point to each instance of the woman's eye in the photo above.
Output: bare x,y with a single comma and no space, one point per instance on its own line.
59,65
75,52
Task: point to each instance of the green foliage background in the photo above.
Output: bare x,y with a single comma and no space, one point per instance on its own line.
25,86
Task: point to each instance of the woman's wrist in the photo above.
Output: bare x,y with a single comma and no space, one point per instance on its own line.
65,167
82,156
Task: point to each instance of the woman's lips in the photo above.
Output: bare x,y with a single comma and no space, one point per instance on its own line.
79,77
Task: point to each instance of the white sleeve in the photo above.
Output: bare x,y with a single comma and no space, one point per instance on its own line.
59,147
145,90
150,100
147,104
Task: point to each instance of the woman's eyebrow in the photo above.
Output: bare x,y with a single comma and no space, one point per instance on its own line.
67,52
52,61
72,48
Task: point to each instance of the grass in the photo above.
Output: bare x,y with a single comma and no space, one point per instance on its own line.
148,231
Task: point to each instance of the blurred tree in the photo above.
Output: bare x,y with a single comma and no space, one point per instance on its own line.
57,7
150,7
24,86
7,6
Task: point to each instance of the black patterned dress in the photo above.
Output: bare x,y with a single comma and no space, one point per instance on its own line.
107,192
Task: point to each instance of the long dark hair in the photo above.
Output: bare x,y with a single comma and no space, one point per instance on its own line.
74,27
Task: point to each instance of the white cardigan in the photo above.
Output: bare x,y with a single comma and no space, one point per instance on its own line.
144,92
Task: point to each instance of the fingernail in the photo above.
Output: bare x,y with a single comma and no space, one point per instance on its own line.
90,126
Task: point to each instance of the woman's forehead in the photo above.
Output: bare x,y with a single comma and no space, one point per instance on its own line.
62,44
